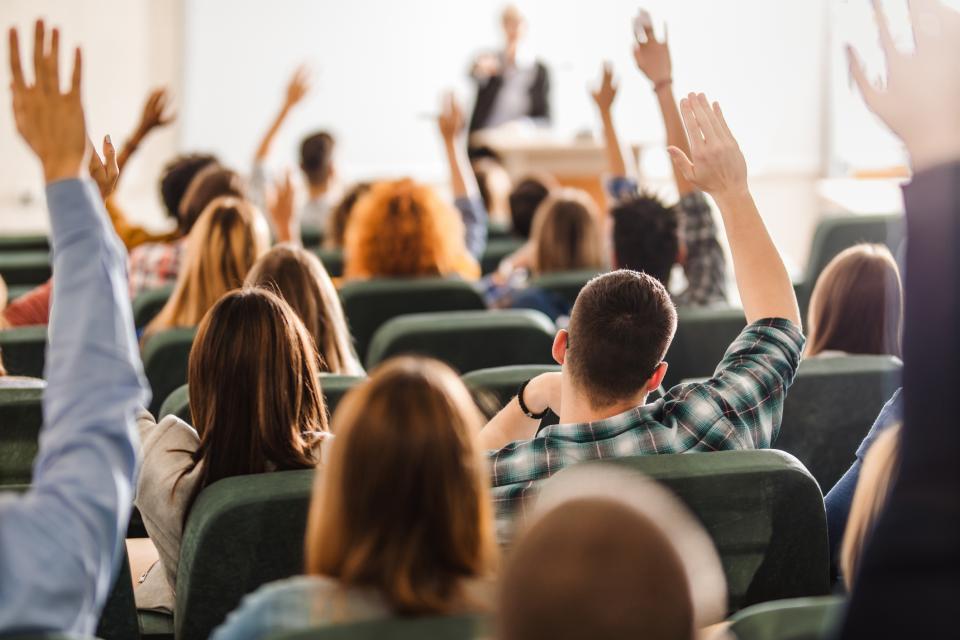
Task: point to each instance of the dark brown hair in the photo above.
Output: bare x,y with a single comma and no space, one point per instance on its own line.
177,176
646,236
526,198
620,328
210,183
857,304
340,216
316,157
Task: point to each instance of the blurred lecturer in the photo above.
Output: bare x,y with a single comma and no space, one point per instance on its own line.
510,86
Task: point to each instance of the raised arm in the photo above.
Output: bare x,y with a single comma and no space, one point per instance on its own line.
603,96
297,90
60,540
463,182
156,113
716,166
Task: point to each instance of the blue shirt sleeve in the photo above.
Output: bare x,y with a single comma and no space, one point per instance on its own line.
59,542
474,215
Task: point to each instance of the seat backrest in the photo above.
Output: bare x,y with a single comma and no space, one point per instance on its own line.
496,250
25,267
565,284
763,511
702,338
468,340
370,304
25,242
435,628
501,383
148,304
242,532
793,619
830,408
21,418
166,356
177,404
118,620
332,260
24,350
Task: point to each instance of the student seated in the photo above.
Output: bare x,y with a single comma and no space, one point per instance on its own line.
299,278
61,539
620,329
333,238
525,200
257,407
857,305
413,539
648,235
227,239
609,554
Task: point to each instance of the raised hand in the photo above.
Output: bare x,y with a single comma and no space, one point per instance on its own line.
606,93
920,100
716,164
283,210
49,120
653,58
451,120
156,112
297,88
105,172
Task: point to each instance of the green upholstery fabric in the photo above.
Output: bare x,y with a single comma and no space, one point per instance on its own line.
498,385
764,513
311,236
437,628
165,359
468,340
830,408
334,388
21,417
371,303
28,242
118,621
332,260
498,249
148,304
498,232
155,625
794,619
18,290
25,267
241,533
566,284
836,233
24,350
703,336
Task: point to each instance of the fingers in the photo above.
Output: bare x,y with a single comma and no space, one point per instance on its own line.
16,69
53,60
705,117
110,159
77,72
651,36
886,38
721,120
694,134
38,53
867,89
682,162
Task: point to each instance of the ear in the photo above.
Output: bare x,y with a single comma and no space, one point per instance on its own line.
656,379
560,346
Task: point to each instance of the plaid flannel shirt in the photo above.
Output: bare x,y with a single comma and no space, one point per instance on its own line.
155,265
740,407
705,266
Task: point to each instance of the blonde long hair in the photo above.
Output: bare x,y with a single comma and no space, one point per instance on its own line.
227,239
403,506
566,234
300,279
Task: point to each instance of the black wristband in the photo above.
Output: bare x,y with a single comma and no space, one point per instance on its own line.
523,405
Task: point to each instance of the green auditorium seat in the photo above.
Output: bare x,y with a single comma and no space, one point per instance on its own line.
435,628
25,267
763,511
148,304
311,236
21,417
24,350
25,242
19,290
334,388
368,304
499,232
830,408
703,336
501,383
566,284
241,533
468,340
793,619
332,260
165,359
836,233
497,249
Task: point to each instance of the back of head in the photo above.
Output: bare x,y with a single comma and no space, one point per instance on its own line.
298,277
566,234
340,217
403,229
526,198
645,236
177,176
422,523
228,238
857,304
255,394
210,183
316,158
620,328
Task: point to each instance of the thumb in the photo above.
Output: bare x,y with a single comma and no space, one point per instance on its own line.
682,162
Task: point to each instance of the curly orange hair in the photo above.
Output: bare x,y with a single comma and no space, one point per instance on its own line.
404,228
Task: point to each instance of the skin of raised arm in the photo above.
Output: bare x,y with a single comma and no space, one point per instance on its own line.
716,166
283,210
604,96
511,424
105,171
297,90
451,123
156,114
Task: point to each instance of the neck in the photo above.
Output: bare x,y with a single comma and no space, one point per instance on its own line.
576,409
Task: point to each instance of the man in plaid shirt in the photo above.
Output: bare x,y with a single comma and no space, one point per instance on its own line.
620,329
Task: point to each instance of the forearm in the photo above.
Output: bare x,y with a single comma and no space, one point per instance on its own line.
129,148
616,164
263,150
762,279
509,425
462,181
676,135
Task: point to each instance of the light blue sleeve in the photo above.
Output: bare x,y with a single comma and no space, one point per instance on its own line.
474,215
59,542
275,607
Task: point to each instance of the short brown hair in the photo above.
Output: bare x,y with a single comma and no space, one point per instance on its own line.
403,505
857,304
566,234
208,184
620,328
316,157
